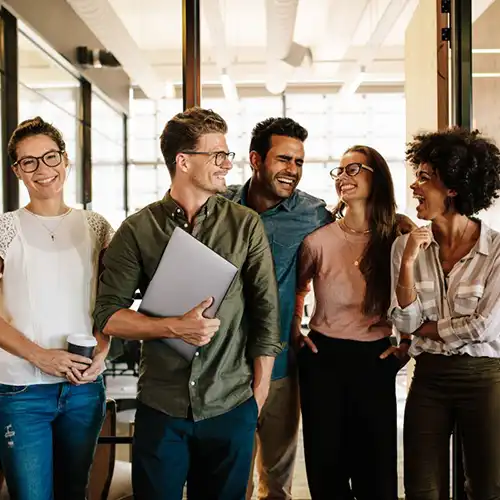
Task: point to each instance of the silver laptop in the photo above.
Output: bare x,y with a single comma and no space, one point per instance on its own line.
188,273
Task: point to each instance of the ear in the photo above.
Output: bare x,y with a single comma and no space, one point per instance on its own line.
181,162
16,171
255,160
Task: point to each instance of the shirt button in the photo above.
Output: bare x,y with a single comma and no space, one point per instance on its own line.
196,353
173,215
178,210
193,382
186,225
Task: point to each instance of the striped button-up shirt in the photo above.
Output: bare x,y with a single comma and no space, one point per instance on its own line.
465,304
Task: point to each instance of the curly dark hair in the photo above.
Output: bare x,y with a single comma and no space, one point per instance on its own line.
264,130
465,161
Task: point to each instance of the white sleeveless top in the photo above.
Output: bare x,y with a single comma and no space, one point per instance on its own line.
49,282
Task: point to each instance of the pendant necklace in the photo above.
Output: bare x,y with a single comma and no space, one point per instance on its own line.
52,232
356,261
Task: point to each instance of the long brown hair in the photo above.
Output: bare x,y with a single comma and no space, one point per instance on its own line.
375,263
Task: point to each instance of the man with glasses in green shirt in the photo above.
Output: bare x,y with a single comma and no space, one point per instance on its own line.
196,420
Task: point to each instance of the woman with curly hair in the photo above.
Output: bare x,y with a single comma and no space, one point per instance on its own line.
446,283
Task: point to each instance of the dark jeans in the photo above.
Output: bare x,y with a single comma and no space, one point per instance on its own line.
449,390
348,399
49,435
212,455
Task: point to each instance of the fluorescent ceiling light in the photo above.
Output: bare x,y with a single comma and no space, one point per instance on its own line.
485,75
486,51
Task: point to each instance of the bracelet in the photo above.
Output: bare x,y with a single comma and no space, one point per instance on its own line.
406,287
405,341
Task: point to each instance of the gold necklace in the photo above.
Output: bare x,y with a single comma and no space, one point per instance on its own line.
52,233
366,231
356,262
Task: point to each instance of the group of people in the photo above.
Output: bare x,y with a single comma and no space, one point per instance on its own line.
255,371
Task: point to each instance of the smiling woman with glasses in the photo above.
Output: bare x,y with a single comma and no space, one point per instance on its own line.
51,401
347,366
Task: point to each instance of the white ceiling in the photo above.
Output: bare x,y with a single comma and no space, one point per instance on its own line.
342,36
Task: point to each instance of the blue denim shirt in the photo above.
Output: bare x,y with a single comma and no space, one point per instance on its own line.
286,225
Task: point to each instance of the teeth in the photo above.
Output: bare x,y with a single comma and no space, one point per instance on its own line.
45,181
286,181
347,187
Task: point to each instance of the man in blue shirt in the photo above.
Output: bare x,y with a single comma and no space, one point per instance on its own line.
289,215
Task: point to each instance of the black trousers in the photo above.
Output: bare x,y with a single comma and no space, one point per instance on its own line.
348,400
449,390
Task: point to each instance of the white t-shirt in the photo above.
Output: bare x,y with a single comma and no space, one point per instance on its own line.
49,282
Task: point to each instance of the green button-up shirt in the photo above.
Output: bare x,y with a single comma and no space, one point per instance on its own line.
219,378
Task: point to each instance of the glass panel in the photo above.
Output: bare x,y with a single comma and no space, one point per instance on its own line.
49,91
486,82
107,161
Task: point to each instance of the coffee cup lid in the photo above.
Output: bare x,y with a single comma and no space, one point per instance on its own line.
82,340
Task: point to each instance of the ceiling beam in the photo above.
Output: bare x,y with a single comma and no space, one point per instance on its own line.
387,20
103,21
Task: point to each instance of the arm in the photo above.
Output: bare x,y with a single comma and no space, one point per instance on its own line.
306,271
262,309
406,311
118,283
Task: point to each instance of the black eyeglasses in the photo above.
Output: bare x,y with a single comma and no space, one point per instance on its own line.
29,164
351,170
219,156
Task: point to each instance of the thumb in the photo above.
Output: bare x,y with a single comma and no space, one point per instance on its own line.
204,305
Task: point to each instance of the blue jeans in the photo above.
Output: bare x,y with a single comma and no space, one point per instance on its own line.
212,455
48,438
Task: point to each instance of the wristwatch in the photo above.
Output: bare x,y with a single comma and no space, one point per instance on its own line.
405,340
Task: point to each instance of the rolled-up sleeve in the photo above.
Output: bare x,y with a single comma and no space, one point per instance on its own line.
410,318
481,326
261,295
120,277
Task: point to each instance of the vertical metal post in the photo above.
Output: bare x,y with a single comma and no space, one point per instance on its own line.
125,164
85,137
191,88
9,106
461,48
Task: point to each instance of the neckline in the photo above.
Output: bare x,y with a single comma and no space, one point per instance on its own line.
47,217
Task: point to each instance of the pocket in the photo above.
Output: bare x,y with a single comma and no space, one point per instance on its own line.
467,298
12,390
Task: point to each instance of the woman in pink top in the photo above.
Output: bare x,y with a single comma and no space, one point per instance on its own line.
347,366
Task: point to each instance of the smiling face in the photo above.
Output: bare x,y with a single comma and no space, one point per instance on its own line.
430,192
354,188
207,172
45,182
281,171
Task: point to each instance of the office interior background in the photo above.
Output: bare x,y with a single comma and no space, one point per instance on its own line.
369,72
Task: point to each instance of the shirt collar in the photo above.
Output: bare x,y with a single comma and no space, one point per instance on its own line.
484,242
287,204
175,209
